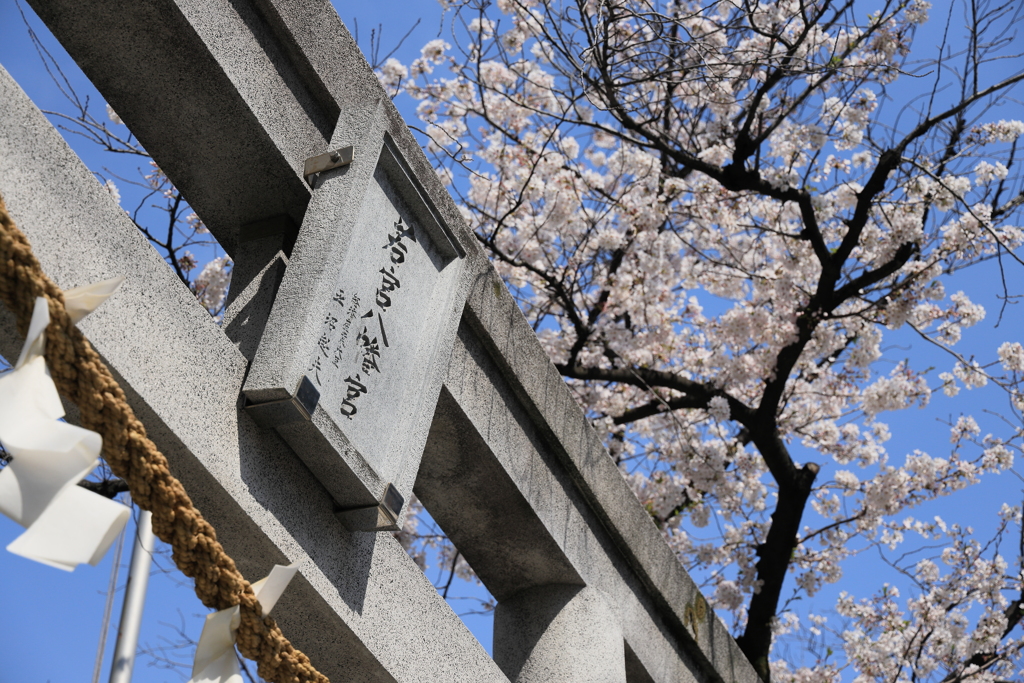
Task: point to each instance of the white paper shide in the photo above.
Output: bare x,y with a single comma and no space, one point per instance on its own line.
216,661
66,525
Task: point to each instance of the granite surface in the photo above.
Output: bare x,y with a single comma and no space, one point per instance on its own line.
230,97
362,610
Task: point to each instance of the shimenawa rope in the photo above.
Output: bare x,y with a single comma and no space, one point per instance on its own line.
82,377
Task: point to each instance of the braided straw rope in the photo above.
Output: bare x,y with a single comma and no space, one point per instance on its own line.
82,377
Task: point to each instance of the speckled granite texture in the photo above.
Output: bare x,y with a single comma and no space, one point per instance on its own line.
230,97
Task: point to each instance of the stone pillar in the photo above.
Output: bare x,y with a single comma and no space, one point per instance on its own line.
559,632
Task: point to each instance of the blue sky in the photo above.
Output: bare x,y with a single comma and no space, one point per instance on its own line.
51,619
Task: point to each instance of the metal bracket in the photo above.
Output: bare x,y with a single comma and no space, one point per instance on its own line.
299,406
380,517
326,162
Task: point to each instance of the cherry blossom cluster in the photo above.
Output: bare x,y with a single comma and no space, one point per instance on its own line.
704,209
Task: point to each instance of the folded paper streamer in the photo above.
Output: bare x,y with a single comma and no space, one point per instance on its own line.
66,525
216,661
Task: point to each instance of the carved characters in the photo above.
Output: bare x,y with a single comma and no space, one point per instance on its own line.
398,248
324,344
350,316
370,347
389,283
371,339
354,391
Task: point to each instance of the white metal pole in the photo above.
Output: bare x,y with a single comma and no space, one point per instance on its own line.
134,601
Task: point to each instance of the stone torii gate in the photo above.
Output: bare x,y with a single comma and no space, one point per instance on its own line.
369,351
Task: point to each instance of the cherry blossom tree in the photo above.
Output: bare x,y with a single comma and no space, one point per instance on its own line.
713,213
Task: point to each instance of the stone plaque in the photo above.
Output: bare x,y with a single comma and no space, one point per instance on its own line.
350,365
378,315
